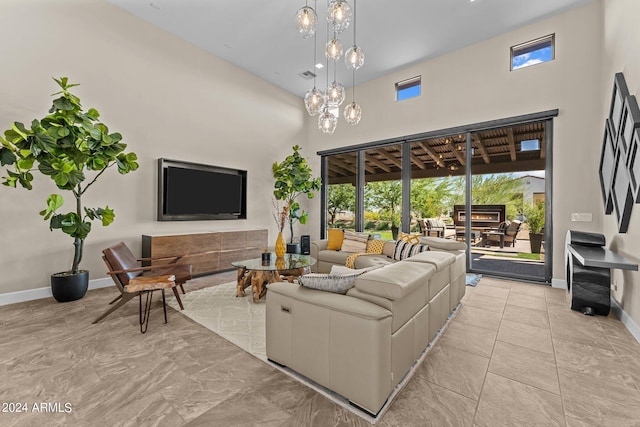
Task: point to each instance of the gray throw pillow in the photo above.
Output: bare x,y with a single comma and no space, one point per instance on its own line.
337,283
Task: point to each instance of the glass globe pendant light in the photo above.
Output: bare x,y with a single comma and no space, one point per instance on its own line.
339,15
327,121
334,49
352,113
335,94
306,21
314,101
354,58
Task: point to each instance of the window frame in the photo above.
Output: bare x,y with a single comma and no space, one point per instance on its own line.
408,84
532,46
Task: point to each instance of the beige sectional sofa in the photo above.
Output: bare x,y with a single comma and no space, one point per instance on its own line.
361,345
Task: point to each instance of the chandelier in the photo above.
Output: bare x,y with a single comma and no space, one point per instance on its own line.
340,16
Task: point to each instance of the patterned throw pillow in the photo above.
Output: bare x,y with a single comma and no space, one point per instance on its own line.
411,238
355,242
404,250
375,246
338,283
336,236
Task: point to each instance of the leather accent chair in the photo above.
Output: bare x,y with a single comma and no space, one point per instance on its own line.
123,266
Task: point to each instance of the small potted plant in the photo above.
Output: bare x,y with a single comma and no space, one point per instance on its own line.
293,179
535,216
73,148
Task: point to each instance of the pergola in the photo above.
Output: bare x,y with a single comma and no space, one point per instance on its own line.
494,151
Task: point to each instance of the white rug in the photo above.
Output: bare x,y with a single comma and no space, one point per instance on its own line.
242,322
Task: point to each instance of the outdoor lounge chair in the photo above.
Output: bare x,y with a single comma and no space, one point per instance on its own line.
509,231
436,228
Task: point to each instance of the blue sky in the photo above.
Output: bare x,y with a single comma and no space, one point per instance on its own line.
536,57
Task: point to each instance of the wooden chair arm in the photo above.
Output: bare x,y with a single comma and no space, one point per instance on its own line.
133,270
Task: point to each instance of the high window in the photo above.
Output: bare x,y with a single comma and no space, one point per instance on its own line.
409,88
533,52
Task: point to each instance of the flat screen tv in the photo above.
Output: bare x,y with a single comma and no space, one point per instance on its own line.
192,192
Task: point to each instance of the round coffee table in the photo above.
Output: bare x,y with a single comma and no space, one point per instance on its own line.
253,272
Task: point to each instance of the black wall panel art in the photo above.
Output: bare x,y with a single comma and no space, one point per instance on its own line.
619,162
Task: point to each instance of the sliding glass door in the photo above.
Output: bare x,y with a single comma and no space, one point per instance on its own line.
487,184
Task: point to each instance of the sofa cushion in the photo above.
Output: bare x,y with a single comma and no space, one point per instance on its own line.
444,244
405,250
440,260
355,242
389,247
336,283
336,236
372,261
375,246
396,280
333,257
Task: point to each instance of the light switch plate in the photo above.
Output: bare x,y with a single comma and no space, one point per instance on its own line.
582,217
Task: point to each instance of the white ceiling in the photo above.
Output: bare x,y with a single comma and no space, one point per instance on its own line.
260,36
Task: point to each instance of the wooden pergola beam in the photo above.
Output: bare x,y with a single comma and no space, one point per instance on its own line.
389,157
482,149
456,152
347,166
416,161
512,144
377,162
431,153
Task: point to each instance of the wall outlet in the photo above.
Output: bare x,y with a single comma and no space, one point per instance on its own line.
583,217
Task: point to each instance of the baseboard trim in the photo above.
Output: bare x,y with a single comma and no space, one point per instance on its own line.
40,293
626,320
559,283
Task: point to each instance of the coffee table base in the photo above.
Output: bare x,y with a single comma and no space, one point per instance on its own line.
258,279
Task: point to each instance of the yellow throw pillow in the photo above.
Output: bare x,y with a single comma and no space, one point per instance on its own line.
375,246
336,236
411,238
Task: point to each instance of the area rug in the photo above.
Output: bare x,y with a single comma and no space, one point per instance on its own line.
473,279
242,322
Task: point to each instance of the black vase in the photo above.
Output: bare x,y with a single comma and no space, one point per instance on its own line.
293,248
67,286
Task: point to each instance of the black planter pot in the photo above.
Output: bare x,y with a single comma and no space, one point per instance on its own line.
394,232
293,248
536,242
67,286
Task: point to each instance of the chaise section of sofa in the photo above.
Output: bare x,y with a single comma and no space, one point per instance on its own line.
362,344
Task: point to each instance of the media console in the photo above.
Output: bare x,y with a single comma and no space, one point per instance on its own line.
207,252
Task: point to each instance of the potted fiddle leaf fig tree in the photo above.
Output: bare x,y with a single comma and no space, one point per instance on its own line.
73,148
293,179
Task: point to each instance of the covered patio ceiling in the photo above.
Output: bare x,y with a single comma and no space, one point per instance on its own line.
494,151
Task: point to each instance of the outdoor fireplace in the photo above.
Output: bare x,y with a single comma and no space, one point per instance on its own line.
482,216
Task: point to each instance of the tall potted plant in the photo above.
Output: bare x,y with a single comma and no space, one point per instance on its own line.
293,179
535,215
73,148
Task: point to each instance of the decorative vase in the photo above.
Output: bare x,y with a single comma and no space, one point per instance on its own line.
281,246
293,248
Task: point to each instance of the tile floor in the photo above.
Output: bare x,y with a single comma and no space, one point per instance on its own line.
514,355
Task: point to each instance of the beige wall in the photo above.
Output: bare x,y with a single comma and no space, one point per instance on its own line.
621,36
474,84
168,99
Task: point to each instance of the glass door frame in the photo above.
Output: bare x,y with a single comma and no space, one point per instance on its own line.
546,116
